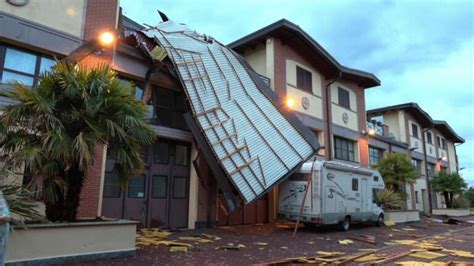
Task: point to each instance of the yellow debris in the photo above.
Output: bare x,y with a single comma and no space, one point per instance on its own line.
389,223
179,249
415,263
404,242
371,257
396,230
427,255
461,253
346,242
368,249
408,229
326,254
260,243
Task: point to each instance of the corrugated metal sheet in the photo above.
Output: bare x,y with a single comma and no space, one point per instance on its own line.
253,142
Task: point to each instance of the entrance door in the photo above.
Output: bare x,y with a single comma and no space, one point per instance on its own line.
169,184
159,195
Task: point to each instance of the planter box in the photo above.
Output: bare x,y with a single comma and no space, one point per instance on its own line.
59,243
402,216
452,212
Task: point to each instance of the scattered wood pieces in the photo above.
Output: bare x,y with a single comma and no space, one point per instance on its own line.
371,257
460,253
260,244
428,255
369,239
405,242
392,258
179,249
326,254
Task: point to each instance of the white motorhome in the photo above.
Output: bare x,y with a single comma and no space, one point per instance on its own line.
340,193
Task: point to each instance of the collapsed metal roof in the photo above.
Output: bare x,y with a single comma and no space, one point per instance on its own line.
256,143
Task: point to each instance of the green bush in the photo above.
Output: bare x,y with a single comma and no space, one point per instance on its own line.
389,199
460,203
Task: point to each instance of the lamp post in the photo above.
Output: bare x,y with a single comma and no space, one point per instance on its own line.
104,40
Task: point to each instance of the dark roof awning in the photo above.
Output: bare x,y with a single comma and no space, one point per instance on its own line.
292,34
414,109
447,131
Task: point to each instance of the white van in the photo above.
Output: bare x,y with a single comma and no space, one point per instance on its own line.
340,193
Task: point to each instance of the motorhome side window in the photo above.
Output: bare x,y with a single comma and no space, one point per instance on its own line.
355,184
376,178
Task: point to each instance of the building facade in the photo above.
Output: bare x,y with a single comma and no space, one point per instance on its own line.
172,191
430,144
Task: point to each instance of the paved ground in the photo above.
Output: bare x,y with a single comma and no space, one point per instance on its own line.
307,242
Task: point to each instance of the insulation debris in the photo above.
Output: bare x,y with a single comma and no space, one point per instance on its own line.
346,242
364,238
260,243
325,254
405,242
460,253
179,249
389,223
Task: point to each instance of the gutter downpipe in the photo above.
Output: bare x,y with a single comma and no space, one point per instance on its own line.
428,184
327,145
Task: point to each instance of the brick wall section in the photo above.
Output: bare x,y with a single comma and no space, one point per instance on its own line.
101,15
90,195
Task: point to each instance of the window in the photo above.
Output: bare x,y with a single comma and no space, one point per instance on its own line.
22,66
429,137
161,152
180,187
136,187
111,186
416,197
375,155
343,97
443,143
417,165
304,79
159,186
376,178
414,130
439,142
344,149
169,108
431,169
181,155
355,184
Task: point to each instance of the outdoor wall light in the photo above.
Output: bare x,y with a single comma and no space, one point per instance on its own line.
290,102
106,38
372,132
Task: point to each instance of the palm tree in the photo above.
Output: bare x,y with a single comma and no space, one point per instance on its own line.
51,130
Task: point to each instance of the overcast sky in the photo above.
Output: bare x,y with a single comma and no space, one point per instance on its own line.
422,51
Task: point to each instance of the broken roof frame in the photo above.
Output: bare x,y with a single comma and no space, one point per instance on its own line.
253,138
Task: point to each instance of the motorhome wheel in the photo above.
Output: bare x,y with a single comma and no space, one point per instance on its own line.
346,224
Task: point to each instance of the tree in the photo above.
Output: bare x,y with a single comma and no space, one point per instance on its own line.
396,170
449,184
52,129
469,194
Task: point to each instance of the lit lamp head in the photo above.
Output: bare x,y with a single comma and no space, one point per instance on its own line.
371,132
106,38
290,102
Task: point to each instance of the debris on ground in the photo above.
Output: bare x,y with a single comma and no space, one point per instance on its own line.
346,242
371,258
368,249
408,229
428,255
389,223
460,253
326,254
260,243
179,249
364,238
232,246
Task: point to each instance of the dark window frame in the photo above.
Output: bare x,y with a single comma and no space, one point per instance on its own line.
153,185
37,67
144,187
414,130
355,184
344,149
344,98
176,108
119,193
375,155
429,137
304,79
186,188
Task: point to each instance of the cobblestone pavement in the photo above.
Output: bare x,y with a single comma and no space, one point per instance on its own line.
308,241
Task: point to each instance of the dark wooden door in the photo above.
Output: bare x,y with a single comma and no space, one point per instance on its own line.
159,195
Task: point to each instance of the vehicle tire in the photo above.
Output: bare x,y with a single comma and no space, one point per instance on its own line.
346,224
379,221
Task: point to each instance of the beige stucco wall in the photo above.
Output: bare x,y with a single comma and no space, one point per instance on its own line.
63,15
316,77
409,196
419,186
270,61
337,111
257,59
57,241
391,120
193,193
451,156
415,142
315,103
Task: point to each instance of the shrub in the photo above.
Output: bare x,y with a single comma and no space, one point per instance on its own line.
461,202
389,199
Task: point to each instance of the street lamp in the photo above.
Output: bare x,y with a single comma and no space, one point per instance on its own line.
290,102
104,40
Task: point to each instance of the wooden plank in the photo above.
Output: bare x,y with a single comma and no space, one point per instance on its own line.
390,259
366,240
